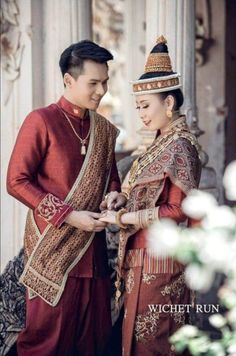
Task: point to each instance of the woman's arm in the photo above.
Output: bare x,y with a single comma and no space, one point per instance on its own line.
141,218
171,208
171,198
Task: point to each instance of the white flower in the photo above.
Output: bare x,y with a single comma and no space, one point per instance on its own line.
189,331
219,217
229,181
216,250
197,204
199,278
217,320
216,349
231,317
163,238
232,350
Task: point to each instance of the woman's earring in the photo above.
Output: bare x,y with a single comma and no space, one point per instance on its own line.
169,114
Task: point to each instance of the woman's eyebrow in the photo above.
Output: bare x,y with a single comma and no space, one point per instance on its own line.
142,101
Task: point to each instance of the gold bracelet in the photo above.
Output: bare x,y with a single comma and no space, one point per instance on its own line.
151,215
146,217
141,219
118,218
125,194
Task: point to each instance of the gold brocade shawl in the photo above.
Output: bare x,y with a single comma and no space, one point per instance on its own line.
52,254
174,154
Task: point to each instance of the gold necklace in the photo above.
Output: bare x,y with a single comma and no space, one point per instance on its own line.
82,140
176,129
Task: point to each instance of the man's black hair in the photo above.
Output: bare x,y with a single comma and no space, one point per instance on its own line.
72,58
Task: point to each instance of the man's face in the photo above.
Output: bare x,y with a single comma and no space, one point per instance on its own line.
91,85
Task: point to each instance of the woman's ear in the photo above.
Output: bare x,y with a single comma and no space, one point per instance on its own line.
170,102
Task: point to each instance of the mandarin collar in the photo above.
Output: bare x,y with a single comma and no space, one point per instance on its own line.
71,109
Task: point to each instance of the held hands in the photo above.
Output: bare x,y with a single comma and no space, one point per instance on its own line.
108,216
89,221
114,217
113,201
86,221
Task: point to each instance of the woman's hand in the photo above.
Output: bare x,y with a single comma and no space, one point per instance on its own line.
86,221
114,201
108,216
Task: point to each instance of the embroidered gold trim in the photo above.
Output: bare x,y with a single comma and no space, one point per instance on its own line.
129,281
148,278
176,287
49,206
178,317
146,326
155,84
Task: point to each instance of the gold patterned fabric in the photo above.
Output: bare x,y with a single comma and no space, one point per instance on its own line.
158,62
52,254
174,154
150,281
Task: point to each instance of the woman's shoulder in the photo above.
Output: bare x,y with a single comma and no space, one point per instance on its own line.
185,144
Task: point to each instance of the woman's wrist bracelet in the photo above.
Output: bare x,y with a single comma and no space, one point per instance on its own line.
118,218
145,217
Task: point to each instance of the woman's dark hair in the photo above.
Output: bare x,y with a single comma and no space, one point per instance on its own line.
177,95
72,58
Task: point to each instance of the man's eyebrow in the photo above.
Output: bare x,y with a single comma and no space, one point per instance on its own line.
98,80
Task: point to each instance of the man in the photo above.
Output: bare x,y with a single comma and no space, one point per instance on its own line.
62,165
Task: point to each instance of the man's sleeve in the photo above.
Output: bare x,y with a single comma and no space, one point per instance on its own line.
27,158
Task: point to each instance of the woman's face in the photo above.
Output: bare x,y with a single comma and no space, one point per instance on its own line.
152,110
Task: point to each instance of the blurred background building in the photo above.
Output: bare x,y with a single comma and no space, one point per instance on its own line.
201,36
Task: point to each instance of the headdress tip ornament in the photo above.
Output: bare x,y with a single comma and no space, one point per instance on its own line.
161,39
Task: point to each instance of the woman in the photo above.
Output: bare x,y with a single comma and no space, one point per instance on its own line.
159,181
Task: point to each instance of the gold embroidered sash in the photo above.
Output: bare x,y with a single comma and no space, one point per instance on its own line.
52,254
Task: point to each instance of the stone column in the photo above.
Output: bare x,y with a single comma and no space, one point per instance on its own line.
16,102
60,24
135,57
175,19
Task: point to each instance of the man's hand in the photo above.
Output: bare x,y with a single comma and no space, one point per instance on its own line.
114,201
85,220
108,216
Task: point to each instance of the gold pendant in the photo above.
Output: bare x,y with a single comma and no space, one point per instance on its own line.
118,294
83,150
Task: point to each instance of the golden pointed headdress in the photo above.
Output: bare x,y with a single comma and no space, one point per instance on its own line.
158,75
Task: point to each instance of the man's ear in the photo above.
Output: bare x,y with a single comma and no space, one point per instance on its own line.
68,79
